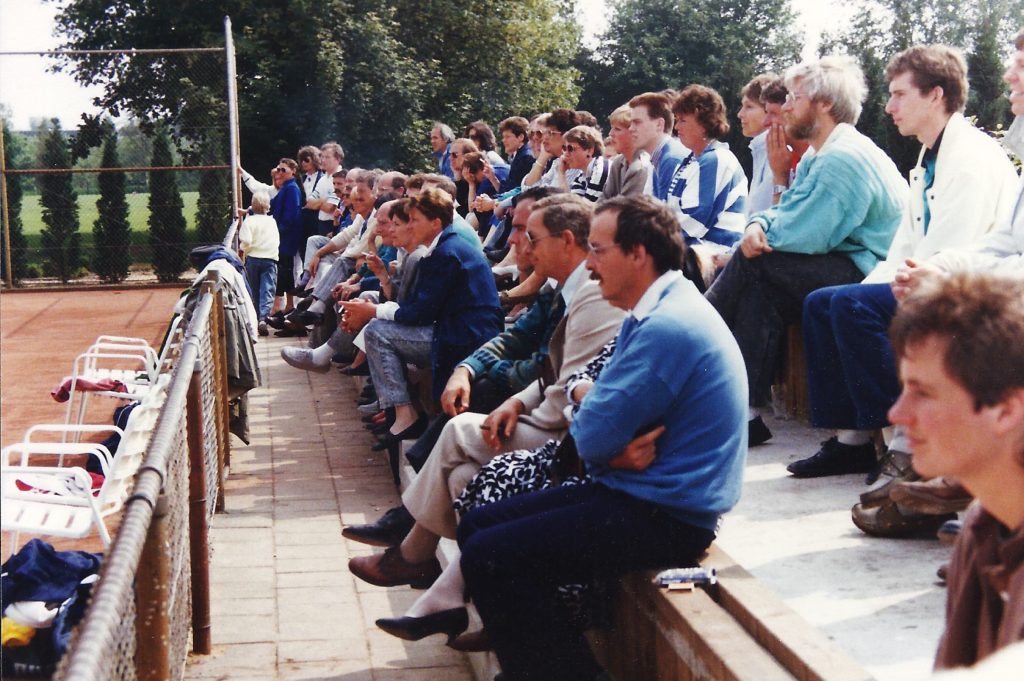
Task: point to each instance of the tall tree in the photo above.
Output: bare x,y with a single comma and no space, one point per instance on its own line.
651,45
330,69
60,238
111,232
213,207
166,219
19,245
985,65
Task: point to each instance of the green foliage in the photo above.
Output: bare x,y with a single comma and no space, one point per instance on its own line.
166,218
61,240
213,216
371,75
12,147
14,196
882,28
111,231
651,45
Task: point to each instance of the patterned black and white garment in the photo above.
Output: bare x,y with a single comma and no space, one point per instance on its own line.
529,470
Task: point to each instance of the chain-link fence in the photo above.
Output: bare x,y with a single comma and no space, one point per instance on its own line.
154,584
122,198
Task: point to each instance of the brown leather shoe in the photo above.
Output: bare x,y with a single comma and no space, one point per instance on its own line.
472,642
932,497
889,521
894,466
390,569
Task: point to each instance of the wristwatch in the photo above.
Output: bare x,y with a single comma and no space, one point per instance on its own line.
778,189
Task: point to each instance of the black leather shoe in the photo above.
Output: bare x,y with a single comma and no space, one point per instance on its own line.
835,459
410,433
300,285
361,370
291,333
390,530
276,320
305,318
757,432
449,622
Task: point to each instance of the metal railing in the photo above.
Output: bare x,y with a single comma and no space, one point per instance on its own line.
154,582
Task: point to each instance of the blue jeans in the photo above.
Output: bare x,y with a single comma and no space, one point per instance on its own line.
517,552
261,273
851,373
389,347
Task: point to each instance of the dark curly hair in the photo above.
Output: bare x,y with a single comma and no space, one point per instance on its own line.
707,105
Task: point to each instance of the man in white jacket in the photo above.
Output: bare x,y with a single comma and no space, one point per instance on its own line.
962,188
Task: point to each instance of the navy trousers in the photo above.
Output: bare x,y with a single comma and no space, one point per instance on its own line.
851,373
518,551
759,297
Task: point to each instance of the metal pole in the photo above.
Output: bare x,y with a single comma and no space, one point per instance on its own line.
233,140
6,214
199,540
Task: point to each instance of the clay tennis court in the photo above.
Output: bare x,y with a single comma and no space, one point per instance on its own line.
41,333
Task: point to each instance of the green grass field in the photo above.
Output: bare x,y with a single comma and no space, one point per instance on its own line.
138,213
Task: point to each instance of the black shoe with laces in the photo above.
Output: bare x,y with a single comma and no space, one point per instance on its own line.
835,458
390,530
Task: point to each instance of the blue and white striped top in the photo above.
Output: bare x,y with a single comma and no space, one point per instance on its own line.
708,194
591,182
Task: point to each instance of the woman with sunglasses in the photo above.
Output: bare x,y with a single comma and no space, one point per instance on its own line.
583,152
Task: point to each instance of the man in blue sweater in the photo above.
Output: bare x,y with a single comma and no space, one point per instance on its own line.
831,227
657,497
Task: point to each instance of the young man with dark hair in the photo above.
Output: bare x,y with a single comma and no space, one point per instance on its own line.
650,124
958,341
753,119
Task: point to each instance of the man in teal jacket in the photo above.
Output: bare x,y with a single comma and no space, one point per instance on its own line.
831,227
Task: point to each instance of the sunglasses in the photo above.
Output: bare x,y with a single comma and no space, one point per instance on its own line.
536,133
568,148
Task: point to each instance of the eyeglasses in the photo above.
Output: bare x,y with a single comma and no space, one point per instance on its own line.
531,241
568,148
598,251
791,97
280,169
536,133
455,154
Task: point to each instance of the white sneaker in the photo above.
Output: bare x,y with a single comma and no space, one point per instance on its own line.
302,358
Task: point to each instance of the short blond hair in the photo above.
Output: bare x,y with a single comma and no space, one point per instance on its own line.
261,203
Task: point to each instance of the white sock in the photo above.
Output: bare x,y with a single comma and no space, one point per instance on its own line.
449,591
753,413
322,355
853,438
318,306
900,443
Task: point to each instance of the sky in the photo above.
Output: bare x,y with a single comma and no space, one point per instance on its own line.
30,92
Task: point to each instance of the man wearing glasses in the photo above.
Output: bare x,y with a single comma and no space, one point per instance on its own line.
831,227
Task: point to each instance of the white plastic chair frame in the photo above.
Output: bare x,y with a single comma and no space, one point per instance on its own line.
106,358
70,509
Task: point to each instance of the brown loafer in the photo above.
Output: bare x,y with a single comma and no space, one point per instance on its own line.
472,642
933,497
889,521
390,569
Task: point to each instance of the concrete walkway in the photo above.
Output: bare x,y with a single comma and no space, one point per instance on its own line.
284,604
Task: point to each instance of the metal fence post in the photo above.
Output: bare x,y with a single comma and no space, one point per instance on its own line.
152,600
199,538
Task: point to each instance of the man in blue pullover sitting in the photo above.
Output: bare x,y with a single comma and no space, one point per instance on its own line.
831,227
656,498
